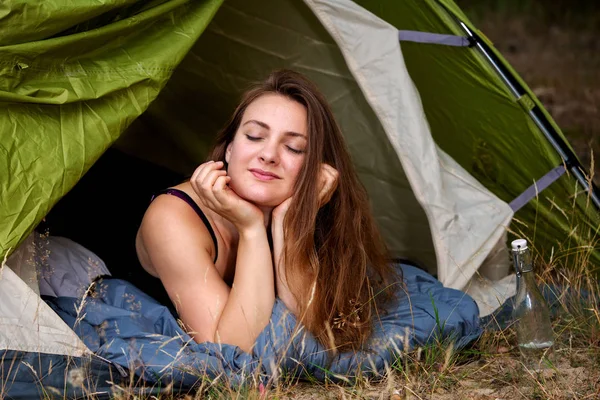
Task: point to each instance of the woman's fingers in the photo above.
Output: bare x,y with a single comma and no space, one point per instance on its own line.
202,170
280,211
210,178
221,183
199,173
210,182
220,190
329,175
215,183
204,176
208,170
329,181
240,212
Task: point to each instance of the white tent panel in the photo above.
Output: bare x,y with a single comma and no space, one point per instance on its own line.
466,220
27,323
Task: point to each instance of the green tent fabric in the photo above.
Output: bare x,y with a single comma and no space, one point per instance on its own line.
156,79
70,83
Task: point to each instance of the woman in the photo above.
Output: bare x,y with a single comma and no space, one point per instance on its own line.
277,211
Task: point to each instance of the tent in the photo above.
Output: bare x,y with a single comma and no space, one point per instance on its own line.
453,148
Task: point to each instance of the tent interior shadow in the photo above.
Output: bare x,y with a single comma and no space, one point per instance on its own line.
104,209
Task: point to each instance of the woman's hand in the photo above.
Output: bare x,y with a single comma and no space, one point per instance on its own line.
210,181
278,213
328,179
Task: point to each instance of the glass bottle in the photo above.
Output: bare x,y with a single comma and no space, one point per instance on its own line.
530,312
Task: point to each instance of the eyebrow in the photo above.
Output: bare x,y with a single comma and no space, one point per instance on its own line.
264,125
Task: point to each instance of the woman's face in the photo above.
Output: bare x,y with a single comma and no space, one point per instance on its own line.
268,150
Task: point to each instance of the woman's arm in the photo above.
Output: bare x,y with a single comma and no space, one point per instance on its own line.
250,302
179,248
180,251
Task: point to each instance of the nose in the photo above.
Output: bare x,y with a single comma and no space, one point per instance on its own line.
269,153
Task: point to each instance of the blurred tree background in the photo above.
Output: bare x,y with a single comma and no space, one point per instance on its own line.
555,46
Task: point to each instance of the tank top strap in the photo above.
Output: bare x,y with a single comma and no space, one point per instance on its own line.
185,197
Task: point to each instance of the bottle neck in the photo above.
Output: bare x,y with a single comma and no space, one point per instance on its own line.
525,283
522,261
526,276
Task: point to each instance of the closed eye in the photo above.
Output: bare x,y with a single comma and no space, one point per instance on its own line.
295,151
253,138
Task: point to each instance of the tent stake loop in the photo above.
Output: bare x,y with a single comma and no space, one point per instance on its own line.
535,189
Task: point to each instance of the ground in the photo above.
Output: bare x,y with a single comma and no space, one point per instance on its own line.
497,377
554,46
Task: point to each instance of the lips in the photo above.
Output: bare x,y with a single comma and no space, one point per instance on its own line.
264,175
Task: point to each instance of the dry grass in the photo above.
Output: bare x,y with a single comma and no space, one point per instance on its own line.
489,369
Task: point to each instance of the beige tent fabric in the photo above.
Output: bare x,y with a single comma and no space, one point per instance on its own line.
27,323
490,295
466,220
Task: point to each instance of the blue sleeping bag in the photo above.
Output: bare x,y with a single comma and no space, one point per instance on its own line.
129,328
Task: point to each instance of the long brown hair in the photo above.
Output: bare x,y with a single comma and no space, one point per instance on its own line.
336,262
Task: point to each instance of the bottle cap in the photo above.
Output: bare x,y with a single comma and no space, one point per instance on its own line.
519,244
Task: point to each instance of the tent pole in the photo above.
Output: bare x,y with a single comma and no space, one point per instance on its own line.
539,119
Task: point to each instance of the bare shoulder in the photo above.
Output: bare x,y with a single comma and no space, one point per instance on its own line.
169,210
171,227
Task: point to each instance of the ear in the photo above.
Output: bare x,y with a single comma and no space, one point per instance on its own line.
228,152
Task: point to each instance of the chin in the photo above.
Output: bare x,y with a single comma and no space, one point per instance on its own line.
259,196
